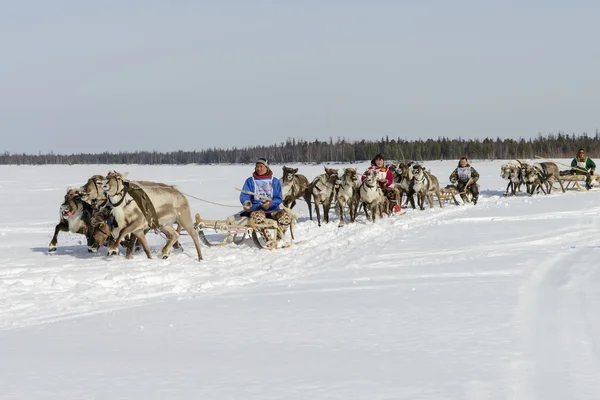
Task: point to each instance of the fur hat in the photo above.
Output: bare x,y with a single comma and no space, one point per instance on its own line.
263,161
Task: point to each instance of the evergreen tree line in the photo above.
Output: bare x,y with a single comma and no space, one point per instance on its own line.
558,145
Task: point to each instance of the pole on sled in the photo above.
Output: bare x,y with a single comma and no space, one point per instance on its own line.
564,165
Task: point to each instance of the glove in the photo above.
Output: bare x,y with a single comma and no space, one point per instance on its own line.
265,204
247,205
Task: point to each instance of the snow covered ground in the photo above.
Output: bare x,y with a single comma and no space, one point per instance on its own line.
495,301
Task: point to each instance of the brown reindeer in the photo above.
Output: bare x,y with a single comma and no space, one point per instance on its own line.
549,173
402,181
294,186
323,189
425,185
91,192
170,206
75,216
347,194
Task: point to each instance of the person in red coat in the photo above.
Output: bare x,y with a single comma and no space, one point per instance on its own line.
384,174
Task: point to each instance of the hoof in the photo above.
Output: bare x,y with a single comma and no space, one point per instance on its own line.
51,249
165,256
112,252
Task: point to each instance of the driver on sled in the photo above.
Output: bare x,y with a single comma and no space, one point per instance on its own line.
465,178
582,165
261,196
385,178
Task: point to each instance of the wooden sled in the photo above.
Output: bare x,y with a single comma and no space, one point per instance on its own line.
572,182
450,192
236,229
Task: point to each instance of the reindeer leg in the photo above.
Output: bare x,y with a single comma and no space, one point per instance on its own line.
561,184
114,247
439,198
341,210
62,226
354,210
185,220
318,211
308,200
326,208
172,238
412,199
177,245
366,208
143,241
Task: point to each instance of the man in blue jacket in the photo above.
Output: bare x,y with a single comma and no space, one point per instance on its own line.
263,183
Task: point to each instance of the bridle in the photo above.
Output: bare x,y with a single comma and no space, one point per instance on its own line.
122,193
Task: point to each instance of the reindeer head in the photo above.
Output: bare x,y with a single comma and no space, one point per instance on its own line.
505,171
418,172
288,174
332,176
404,171
92,192
113,183
350,175
70,203
101,229
370,177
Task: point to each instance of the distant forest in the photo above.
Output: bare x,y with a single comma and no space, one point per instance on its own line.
558,145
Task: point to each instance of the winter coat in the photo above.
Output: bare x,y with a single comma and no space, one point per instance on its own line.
275,195
467,172
589,164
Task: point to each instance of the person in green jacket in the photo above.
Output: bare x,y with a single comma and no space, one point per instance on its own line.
465,178
583,165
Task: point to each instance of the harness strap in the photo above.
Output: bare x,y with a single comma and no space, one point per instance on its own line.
141,198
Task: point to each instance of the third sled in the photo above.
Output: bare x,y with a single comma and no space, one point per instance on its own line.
577,182
265,235
450,192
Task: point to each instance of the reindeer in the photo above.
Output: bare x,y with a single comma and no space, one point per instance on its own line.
347,194
402,181
511,171
370,195
425,185
323,189
75,216
392,197
548,172
91,192
169,204
294,186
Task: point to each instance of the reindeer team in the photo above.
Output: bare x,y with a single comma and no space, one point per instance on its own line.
110,208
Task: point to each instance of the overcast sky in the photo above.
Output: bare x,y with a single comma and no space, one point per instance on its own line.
90,76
